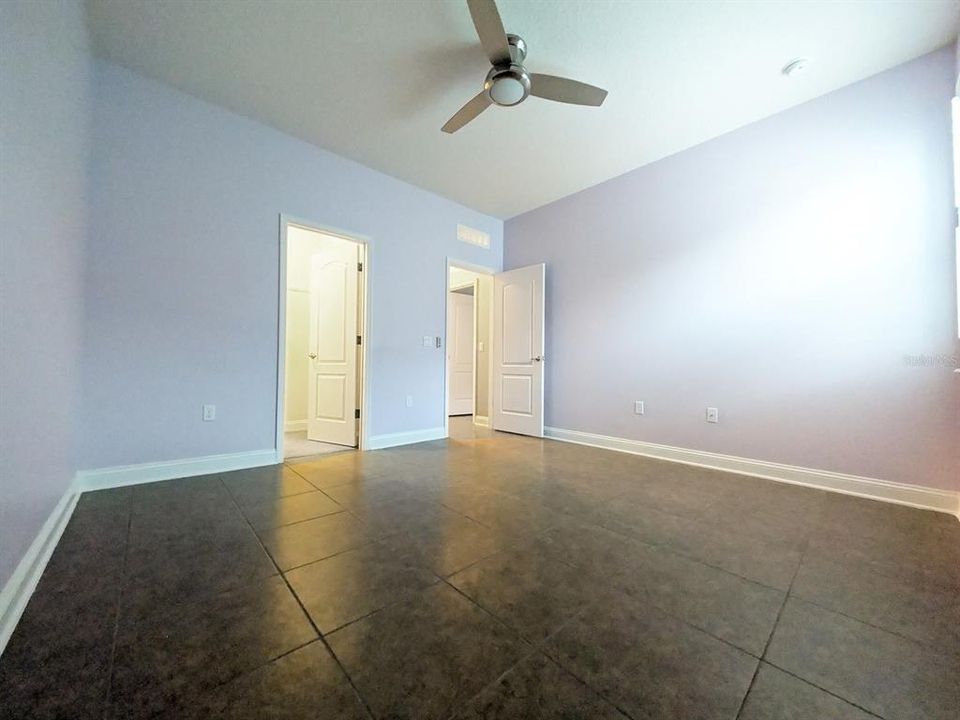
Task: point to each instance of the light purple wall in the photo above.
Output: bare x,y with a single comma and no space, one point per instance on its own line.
781,273
182,278
45,90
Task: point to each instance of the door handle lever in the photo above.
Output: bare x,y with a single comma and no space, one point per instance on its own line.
313,356
539,358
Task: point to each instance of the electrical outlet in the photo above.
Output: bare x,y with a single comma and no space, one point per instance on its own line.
713,415
409,400
638,407
209,413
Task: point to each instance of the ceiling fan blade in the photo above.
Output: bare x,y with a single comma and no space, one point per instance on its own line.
467,113
565,90
486,18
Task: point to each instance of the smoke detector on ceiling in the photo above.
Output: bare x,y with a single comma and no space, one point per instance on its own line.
795,67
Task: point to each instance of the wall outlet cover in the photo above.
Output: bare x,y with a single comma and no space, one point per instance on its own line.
209,413
638,407
713,415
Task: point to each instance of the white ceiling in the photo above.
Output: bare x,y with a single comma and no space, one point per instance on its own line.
374,81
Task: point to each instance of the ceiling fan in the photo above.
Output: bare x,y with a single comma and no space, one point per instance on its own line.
508,83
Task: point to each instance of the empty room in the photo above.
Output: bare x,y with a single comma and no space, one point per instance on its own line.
485,359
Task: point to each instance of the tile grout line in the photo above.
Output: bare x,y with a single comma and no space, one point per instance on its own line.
531,647
693,558
803,556
773,630
298,522
824,690
675,551
116,620
609,586
924,645
384,607
543,651
787,596
493,683
303,609
535,647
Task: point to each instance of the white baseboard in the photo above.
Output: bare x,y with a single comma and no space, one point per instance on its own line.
481,420
123,475
913,495
18,589
378,442
295,426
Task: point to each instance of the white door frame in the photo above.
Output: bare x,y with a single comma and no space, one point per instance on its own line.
482,270
363,323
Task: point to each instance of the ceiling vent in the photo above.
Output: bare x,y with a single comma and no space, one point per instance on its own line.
473,236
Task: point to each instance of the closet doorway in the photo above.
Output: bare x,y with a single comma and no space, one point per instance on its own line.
322,351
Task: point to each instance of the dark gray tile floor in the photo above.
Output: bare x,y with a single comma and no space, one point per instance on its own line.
490,576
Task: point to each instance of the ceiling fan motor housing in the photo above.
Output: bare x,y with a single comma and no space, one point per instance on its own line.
518,49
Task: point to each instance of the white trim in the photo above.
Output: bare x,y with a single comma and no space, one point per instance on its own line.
364,323
481,420
123,475
902,494
378,442
480,270
294,426
19,588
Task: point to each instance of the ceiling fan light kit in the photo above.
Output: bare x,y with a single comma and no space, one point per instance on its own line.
508,83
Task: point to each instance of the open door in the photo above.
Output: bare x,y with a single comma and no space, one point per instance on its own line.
460,353
332,384
518,343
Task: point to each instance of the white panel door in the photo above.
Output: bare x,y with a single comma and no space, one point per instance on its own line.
332,385
460,354
518,344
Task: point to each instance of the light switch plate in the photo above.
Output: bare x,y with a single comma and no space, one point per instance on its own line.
713,415
638,407
428,340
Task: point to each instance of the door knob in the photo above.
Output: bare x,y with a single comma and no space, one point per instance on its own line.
313,356
538,358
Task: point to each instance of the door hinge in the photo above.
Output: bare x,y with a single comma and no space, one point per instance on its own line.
356,413
359,267
358,340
